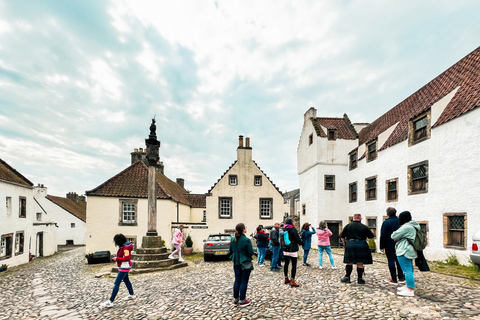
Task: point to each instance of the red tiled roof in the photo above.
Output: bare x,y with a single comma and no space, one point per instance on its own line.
9,174
78,209
197,200
345,129
133,183
465,74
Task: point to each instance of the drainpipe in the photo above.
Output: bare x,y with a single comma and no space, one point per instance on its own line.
178,214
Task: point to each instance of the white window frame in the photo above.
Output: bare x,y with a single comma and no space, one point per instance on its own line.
225,205
266,205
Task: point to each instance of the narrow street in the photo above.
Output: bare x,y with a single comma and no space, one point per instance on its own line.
64,287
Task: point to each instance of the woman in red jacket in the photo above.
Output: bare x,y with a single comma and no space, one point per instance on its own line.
124,264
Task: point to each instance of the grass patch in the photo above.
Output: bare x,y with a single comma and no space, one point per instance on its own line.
471,271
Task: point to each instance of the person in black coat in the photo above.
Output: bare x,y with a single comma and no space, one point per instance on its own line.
291,251
388,245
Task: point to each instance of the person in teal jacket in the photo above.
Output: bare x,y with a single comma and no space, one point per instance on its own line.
241,250
307,241
405,251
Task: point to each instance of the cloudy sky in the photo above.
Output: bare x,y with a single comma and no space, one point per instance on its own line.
81,80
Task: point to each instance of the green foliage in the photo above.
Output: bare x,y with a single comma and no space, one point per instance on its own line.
163,243
452,260
188,242
4,266
371,244
474,267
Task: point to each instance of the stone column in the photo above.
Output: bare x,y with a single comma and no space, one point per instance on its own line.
153,146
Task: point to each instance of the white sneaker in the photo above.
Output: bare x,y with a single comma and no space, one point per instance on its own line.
261,265
321,267
181,259
405,293
107,304
333,267
171,257
129,297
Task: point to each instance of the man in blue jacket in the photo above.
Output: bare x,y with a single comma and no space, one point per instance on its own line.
386,243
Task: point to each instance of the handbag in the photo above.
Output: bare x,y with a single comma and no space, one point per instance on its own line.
247,265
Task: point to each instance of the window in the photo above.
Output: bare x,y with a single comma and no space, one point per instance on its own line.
8,203
128,213
304,209
39,216
22,207
329,182
371,188
310,139
332,134
232,180
424,227
225,207
6,246
391,187
204,218
372,225
352,192
257,180
372,151
455,230
72,225
19,241
266,208
419,128
353,161
418,178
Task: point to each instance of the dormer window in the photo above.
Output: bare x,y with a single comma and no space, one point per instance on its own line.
419,129
232,180
353,160
332,134
372,151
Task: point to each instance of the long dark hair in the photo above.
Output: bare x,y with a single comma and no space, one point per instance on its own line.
119,239
404,217
239,230
306,226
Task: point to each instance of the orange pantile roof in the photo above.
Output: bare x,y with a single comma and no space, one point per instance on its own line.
78,209
465,74
9,174
197,200
344,127
133,183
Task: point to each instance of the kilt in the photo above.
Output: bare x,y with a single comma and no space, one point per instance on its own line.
357,251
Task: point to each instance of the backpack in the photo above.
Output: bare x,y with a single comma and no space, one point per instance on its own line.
302,235
420,240
285,240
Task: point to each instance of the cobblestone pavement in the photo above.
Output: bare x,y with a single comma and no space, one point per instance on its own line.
64,287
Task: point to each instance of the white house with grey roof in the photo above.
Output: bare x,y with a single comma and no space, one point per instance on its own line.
421,156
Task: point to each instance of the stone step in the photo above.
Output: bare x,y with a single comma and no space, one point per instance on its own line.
153,264
149,257
171,267
151,250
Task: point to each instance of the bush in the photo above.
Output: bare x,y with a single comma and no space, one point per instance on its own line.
452,260
188,242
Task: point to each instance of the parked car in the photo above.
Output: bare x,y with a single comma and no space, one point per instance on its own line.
216,245
475,255
254,241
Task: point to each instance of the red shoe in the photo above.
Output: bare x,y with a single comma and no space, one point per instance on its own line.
287,281
244,303
390,281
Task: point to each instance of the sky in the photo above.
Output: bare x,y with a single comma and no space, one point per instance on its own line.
80,81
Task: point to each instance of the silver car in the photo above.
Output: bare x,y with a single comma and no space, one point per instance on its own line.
216,245
475,255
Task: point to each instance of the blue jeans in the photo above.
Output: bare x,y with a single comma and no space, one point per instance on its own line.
320,255
275,256
241,282
392,261
407,267
262,252
305,255
121,276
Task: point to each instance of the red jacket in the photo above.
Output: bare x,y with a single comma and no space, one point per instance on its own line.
124,255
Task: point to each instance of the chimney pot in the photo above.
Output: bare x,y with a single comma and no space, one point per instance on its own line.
240,141
247,142
181,182
135,150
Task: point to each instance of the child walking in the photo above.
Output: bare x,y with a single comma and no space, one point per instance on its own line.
124,264
177,242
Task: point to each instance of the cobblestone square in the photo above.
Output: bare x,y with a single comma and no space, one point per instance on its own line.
64,287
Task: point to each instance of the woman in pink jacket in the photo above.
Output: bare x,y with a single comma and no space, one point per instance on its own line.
324,234
177,241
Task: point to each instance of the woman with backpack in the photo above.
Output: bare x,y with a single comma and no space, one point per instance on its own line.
291,240
406,253
306,236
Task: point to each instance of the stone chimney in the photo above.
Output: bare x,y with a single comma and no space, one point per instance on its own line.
181,182
82,198
40,191
73,196
138,154
244,154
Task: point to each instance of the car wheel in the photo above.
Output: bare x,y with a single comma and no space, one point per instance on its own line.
206,257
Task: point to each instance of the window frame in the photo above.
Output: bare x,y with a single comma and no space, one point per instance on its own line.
371,157
411,181
447,231
304,209
310,139
329,185
270,209
19,242
235,182
259,177
411,128
230,200
368,188
387,190
8,253
204,216
8,205
22,207
122,221
350,192
332,134
353,163
375,228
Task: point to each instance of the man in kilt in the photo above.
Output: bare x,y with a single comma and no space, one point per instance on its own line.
357,251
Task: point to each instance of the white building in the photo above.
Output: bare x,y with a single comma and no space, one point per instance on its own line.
68,213
420,156
245,194
22,236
